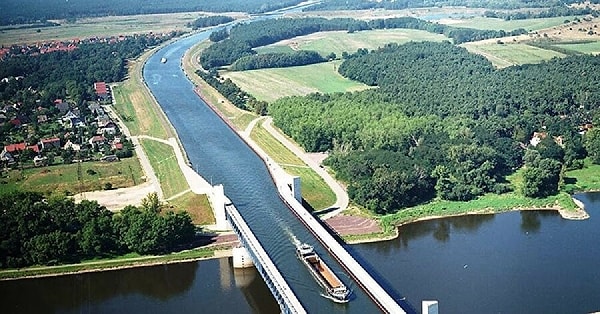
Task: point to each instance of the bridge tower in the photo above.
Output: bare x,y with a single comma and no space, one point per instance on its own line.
218,201
294,185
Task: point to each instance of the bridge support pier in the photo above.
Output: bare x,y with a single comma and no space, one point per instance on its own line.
241,258
218,201
429,307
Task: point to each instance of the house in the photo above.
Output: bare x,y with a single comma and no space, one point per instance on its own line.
95,108
109,128
40,161
537,138
97,140
72,120
6,157
101,90
49,143
73,146
117,146
109,158
42,118
62,107
15,148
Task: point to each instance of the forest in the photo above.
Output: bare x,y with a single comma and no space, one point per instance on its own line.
207,21
444,123
277,60
244,37
31,11
35,230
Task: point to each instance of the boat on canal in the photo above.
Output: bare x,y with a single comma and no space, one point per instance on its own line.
334,287
163,60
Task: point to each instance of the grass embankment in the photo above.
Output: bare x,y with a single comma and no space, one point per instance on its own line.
125,261
239,118
197,205
164,162
76,177
314,189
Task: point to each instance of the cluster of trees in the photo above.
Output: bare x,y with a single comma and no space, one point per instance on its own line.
244,37
233,93
208,21
445,123
277,60
46,231
403,4
551,12
28,11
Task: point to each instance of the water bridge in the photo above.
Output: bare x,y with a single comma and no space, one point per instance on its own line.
267,215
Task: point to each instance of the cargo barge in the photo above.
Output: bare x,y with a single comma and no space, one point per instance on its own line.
334,287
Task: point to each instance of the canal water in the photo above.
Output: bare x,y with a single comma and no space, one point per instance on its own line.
531,262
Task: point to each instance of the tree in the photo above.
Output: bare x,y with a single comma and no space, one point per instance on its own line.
541,176
592,144
151,203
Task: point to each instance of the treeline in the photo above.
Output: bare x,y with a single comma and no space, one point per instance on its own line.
277,60
47,231
233,93
208,21
244,37
404,4
551,12
31,11
444,123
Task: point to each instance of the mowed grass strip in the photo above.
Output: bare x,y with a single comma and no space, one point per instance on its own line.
272,84
500,24
163,161
197,205
340,41
136,106
77,177
314,189
504,55
587,48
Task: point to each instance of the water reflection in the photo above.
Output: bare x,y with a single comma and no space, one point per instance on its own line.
74,292
440,229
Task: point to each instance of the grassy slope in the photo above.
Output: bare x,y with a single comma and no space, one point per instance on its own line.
589,48
503,55
314,189
197,206
163,161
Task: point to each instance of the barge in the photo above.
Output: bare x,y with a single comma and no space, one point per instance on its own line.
335,288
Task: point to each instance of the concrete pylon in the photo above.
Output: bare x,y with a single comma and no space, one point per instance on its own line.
429,307
241,258
296,190
218,201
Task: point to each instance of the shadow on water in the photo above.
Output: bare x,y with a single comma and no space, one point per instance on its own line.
71,292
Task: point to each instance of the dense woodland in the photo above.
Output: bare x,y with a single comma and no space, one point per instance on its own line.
46,231
277,60
244,37
443,122
207,21
29,11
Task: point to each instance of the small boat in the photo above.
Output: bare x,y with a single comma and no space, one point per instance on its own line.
335,288
163,60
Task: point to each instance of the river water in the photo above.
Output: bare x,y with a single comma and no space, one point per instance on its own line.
531,262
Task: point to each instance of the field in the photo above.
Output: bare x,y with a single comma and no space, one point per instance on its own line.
592,47
272,84
65,178
101,27
163,161
340,41
197,206
500,24
504,55
314,189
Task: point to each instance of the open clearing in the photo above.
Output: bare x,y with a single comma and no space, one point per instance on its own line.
272,84
500,24
503,55
340,41
65,179
163,161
